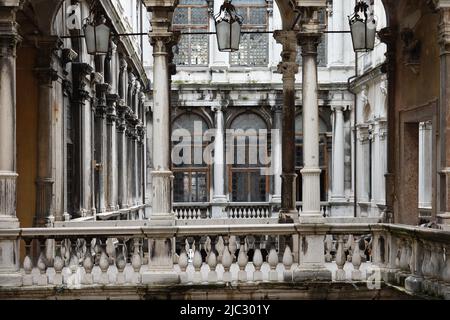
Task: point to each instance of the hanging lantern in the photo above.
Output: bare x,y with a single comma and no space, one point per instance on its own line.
363,28
97,36
228,28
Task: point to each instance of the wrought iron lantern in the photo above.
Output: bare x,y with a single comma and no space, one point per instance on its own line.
97,36
363,28
228,27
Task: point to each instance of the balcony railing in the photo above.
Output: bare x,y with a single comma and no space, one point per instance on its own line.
413,257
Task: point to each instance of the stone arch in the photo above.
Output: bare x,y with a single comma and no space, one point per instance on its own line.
46,12
231,119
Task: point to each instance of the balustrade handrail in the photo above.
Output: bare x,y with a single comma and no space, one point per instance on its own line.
182,230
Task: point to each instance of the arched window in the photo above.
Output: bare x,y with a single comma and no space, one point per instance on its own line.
191,173
191,16
323,157
247,183
253,49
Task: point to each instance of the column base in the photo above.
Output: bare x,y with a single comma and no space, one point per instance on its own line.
8,222
218,208
307,273
312,218
162,219
286,216
413,284
11,279
160,277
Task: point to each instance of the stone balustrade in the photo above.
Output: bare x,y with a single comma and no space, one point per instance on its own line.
376,254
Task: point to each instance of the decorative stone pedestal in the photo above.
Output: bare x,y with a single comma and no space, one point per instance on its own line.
312,264
160,269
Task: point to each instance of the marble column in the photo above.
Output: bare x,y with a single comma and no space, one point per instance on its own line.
161,248
46,73
288,68
121,155
309,39
338,154
121,136
100,148
9,249
111,151
425,164
219,197
311,244
82,142
277,152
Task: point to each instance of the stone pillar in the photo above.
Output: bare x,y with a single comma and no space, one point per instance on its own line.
277,152
443,158
311,244
9,249
288,68
309,39
161,248
111,151
100,148
338,154
121,155
46,74
121,137
425,164
219,197
82,142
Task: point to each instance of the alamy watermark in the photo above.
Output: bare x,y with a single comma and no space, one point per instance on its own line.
240,147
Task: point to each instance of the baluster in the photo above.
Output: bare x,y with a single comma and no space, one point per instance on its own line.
136,262
446,268
257,262
97,251
72,279
197,262
227,260
219,248
272,259
328,247
42,265
104,265
211,260
242,262
259,213
121,263
27,264
58,265
183,262
208,214
426,260
350,244
239,215
403,261
340,260
189,213
253,213
356,261
184,214
88,264
111,250
232,245
288,260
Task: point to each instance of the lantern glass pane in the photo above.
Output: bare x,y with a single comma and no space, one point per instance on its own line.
89,36
235,35
102,39
358,30
223,35
371,32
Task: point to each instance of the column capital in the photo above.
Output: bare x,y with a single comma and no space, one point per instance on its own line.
163,42
338,108
287,38
444,29
277,108
218,107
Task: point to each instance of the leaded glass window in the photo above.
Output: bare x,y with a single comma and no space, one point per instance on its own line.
191,16
247,181
191,177
254,47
